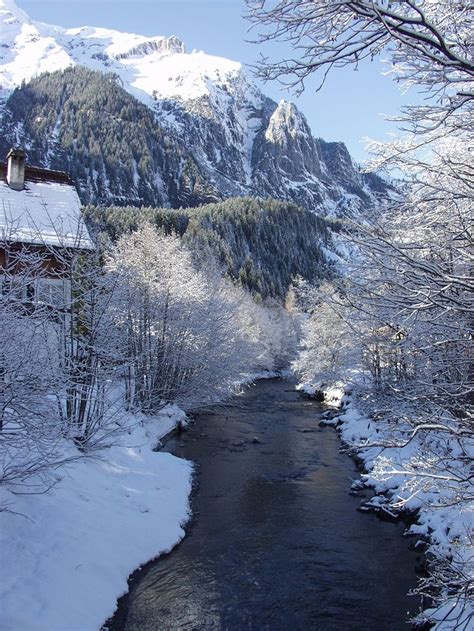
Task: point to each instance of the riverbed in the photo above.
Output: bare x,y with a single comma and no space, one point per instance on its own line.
276,541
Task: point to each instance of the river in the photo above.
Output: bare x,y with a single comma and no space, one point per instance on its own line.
276,541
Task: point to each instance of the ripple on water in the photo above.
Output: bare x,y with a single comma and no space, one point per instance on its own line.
276,542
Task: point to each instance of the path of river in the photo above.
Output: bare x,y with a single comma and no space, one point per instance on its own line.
276,541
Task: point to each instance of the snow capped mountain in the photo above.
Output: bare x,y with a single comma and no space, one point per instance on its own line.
150,67
243,142
26,48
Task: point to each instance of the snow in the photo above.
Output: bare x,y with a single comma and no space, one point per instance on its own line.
67,554
47,213
148,66
442,519
181,75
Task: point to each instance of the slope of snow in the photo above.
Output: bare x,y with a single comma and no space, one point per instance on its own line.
148,66
25,51
182,75
67,554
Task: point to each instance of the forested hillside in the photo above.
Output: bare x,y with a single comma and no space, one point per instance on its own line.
263,244
85,123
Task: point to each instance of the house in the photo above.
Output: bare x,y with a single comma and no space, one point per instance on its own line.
41,230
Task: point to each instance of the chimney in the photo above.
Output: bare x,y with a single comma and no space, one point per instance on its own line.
16,169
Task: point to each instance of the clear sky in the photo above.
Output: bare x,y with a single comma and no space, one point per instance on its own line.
348,108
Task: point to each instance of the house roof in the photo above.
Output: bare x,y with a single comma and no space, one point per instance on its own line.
46,212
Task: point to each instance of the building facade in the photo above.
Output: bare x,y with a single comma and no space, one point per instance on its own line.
41,232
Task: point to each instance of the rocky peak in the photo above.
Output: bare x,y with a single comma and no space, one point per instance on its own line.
157,44
286,124
173,44
336,156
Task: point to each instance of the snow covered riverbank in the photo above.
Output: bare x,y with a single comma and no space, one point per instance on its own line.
67,554
406,478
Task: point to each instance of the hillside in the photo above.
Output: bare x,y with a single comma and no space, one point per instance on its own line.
262,244
87,124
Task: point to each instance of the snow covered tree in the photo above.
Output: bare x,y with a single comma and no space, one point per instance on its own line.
28,431
84,352
54,348
429,43
327,352
181,336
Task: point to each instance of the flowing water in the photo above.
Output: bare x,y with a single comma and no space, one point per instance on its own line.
276,541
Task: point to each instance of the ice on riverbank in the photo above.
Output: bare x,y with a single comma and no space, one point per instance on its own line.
67,554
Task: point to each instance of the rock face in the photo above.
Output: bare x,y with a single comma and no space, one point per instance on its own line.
242,142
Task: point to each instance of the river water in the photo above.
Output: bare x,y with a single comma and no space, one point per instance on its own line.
276,541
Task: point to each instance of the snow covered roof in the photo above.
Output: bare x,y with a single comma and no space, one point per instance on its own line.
47,211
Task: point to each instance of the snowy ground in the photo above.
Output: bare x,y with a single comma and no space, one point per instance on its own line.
66,554
442,519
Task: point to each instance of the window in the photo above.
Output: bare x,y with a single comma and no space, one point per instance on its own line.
53,291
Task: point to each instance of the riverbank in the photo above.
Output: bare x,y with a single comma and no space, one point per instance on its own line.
67,554
276,540
407,484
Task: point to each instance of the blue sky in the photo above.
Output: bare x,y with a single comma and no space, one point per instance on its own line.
348,107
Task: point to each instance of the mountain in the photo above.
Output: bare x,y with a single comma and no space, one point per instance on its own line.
84,122
239,141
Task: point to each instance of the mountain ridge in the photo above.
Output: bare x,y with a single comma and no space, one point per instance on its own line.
243,142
